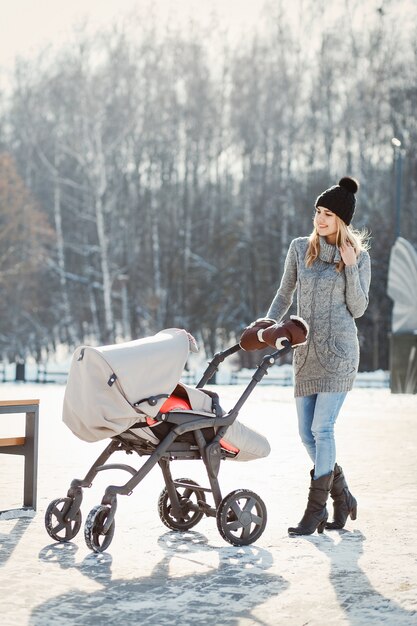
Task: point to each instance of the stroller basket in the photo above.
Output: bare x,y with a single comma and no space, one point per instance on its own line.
113,392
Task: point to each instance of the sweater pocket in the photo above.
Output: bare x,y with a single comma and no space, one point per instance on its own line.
340,356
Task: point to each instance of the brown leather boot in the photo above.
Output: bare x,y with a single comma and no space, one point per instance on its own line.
344,504
315,515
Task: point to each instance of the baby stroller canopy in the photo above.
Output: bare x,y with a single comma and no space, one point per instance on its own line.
109,388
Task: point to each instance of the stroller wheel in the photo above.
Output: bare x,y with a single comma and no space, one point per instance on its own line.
241,517
95,536
57,524
189,496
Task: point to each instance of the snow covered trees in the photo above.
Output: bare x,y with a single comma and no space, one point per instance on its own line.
174,171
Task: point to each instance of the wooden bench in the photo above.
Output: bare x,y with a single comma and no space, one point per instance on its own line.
26,446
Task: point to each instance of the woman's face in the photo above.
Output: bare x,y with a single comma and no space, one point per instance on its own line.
326,223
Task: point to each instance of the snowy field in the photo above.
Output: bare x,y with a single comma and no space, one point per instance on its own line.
364,575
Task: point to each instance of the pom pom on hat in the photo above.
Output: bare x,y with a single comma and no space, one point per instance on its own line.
340,199
349,183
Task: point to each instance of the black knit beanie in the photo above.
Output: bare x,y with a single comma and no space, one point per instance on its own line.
340,199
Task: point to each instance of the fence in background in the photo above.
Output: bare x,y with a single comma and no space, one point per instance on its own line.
39,373
282,377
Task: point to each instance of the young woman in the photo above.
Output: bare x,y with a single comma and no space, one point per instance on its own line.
331,272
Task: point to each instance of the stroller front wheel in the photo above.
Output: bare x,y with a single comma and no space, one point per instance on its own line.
57,523
94,535
241,517
189,495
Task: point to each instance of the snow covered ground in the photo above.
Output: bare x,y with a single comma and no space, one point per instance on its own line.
366,574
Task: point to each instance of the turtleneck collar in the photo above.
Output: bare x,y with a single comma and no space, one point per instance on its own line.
328,252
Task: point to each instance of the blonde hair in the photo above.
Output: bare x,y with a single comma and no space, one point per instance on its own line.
358,239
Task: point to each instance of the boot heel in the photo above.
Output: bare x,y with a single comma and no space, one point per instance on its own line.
353,512
321,526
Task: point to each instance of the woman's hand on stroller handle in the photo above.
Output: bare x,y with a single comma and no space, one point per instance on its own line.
266,332
251,338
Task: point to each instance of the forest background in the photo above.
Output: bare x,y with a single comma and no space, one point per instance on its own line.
152,175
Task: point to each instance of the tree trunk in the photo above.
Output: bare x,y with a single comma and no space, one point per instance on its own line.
104,263
66,318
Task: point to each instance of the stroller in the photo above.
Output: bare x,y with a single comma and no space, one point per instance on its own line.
130,393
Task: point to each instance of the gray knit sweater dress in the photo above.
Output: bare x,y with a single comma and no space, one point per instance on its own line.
329,301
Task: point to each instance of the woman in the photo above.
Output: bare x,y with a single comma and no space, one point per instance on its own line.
331,272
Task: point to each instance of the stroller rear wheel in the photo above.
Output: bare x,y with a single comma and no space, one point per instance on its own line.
241,517
189,496
57,523
95,536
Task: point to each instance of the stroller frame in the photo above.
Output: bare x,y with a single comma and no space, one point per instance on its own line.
241,515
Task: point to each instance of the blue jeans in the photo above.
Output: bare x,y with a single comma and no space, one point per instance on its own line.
316,419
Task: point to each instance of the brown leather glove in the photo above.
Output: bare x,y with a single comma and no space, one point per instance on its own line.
294,330
250,337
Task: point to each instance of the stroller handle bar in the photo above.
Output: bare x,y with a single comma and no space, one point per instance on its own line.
267,362
213,365
261,371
